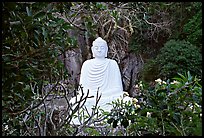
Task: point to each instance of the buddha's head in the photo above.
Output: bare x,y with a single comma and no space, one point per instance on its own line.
99,48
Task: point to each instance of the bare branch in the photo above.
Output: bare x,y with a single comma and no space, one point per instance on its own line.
67,20
30,107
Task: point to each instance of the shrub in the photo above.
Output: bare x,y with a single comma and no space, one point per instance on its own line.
168,109
175,56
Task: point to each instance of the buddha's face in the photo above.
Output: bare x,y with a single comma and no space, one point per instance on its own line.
99,50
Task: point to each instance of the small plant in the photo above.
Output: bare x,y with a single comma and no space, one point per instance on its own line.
124,109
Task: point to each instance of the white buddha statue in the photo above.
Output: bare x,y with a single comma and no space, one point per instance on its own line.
100,74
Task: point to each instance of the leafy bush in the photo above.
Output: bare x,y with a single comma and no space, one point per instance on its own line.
31,44
179,56
175,56
168,109
193,29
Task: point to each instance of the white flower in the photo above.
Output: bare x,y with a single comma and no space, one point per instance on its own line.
175,82
6,127
126,99
148,114
186,83
134,100
163,82
141,85
158,81
138,106
197,105
191,107
136,86
125,94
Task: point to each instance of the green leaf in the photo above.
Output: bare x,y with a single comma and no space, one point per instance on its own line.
39,14
60,21
182,76
99,5
189,76
66,26
176,117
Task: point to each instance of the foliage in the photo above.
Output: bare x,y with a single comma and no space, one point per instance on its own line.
156,23
175,56
178,56
193,28
153,24
189,26
30,46
123,110
167,109
34,35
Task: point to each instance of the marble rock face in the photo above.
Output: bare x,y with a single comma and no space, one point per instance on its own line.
101,75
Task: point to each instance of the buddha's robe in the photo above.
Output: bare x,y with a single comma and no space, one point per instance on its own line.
103,75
